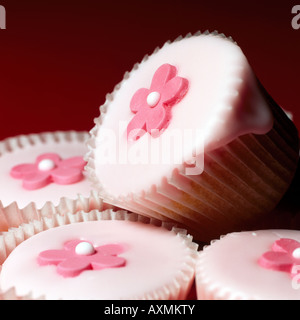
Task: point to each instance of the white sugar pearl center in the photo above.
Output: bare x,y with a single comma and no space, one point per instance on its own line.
153,98
84,248
46,164
296,253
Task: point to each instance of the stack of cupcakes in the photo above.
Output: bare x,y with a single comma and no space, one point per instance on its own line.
191,145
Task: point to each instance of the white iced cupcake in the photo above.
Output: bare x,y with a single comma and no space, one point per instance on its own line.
41,172
190,136
101,255
252,265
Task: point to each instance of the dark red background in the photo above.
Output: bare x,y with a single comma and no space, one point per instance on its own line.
58,59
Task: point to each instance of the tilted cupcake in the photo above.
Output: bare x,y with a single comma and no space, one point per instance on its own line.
190,136
39,172
252,265
108,255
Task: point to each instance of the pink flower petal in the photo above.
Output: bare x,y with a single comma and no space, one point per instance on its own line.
52,257
21,170
74,162
66,175
174,90
73,266
136,127
162,75
285,245
101,262
36,180
156,119
139,100
280,261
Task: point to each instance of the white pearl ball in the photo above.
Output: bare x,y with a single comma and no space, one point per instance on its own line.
296,253
46,165
84,248
153,98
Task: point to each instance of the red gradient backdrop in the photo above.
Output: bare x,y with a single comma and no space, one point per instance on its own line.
58,59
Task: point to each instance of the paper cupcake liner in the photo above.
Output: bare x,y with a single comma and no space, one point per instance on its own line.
22,141
11,295
207,288
178,289
241,181
12,216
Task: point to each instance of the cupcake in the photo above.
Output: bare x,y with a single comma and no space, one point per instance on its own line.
108,255
190,135
39,172
251,265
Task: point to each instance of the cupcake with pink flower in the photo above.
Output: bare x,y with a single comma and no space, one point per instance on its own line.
109,255
40,172
190,135
252,265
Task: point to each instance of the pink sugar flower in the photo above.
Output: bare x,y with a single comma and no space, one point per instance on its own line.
152,107
285,256
49,167
78,256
